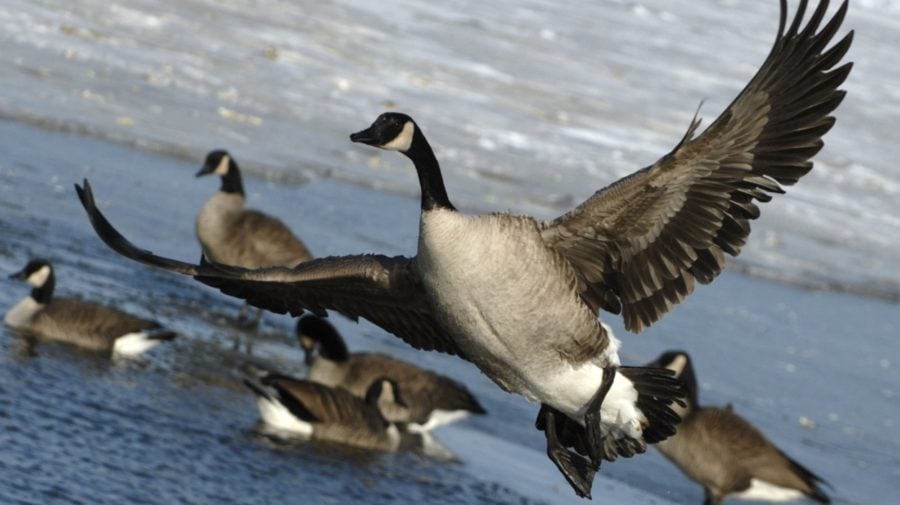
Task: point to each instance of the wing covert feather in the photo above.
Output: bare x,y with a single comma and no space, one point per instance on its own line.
642,243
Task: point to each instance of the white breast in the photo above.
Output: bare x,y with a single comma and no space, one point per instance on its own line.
22,313
509,304
214,219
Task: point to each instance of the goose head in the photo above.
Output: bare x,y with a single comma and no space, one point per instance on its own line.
393,131
318,337
220,163
217,162
680,363
37,272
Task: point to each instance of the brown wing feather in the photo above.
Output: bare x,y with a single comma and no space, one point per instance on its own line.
423,390
87,324
641,243
386,291
326,405
269,241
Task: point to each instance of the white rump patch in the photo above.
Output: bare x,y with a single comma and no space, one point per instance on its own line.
277,417
22,313
438,418
222,167
133,344
38,278
619,411
761,490
403,141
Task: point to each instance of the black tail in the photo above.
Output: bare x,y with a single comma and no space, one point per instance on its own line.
812,480
657,388
161,334
257,389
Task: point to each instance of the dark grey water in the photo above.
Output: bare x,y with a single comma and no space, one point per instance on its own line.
178,427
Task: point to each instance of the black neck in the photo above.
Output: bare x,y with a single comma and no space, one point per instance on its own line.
44,294
690,384
332,347
434,195
231,181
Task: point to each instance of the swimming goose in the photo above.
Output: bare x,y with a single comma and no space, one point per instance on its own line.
728,456
314,411
433,400
231,234
81,323
638,246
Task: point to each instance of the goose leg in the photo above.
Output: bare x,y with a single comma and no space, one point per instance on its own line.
592,418
244,320
710,498
242,315
578,471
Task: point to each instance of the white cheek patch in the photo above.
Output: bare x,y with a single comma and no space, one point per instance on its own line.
38,278
222,168
403,141
677,365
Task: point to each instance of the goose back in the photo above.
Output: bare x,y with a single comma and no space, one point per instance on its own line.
728,456
335,414
424,391
232,235
86,324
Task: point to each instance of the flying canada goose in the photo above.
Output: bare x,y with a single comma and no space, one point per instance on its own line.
81,323
433,399
234,235
728,456
311,410
519,297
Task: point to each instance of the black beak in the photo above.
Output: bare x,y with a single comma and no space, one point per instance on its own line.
308,356
19,276
207,169
366,136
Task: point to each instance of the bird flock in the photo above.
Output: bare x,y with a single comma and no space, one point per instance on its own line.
520,298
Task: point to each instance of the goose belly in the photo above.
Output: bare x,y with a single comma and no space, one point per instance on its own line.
510,304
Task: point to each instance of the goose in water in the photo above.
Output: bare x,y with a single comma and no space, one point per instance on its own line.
728,456
314,411
432,400
231,234
519,297
77,322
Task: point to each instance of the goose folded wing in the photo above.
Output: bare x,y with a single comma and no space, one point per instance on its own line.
640,244
386,291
